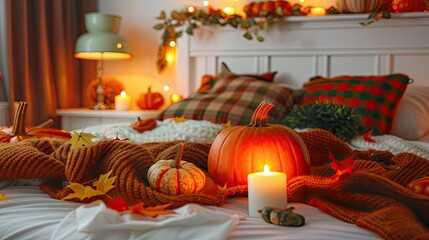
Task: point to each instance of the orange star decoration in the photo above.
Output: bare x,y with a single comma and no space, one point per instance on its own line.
120,205
227,124
3,197
368,136
81,139
102,186
179,119
344,167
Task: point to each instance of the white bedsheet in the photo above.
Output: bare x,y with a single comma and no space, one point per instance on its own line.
32,214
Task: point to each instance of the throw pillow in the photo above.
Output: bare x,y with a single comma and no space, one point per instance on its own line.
374,98
208,81
233,101
411,121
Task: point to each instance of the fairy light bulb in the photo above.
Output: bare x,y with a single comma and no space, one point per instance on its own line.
191,9
166,88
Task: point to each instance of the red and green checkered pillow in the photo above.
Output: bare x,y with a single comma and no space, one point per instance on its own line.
233,101
373,97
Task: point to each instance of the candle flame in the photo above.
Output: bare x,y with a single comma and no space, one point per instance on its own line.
123,94
266,169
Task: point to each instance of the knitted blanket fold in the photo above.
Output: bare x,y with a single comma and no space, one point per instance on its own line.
372,197
129,162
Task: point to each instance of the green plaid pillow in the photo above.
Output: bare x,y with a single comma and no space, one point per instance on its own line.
373,97
233,101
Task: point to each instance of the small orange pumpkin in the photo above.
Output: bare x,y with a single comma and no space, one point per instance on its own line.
142,125
270,7
150,100
420,185
240,150
19,132
176,177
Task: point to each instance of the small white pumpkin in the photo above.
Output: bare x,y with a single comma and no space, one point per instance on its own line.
176,177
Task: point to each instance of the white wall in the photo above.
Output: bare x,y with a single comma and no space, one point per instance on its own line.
138,19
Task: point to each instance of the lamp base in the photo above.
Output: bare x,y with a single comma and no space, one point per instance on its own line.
100,106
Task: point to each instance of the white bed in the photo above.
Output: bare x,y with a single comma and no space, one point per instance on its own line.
299,49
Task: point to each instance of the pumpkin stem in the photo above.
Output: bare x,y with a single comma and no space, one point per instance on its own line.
18,128
260,115
178,156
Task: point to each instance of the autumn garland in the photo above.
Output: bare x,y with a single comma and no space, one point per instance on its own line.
251,25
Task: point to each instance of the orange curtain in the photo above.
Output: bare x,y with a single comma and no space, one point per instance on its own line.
43,71
3,97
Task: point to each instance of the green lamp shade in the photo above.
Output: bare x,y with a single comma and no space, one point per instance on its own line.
102,42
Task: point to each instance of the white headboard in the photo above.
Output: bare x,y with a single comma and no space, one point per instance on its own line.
303,47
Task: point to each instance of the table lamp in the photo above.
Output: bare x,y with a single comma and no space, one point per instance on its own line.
101,42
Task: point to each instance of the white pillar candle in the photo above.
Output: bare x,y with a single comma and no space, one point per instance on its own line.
122,102
266,189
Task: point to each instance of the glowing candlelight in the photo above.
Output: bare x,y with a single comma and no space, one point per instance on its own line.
266,189
317,11
122,102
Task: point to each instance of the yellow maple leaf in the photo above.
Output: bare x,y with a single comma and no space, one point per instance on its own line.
151,211
104,183
227,124
179,119
81,192
102,186
3,197
81,139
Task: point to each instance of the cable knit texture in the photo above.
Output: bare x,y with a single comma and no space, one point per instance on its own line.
372,197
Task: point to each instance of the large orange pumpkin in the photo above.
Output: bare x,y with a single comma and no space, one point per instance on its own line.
240,150
19,132
150,100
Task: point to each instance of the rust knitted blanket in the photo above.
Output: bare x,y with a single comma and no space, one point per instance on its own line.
129,162
371,197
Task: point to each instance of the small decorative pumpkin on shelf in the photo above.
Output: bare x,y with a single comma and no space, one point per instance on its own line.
175,176
150,100
362,6
410,6
239,150
270,7
19,132
420,185
142,125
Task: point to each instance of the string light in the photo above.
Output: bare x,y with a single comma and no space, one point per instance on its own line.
191,9
166,88
172,43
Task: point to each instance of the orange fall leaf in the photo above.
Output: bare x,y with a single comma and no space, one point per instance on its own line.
344,167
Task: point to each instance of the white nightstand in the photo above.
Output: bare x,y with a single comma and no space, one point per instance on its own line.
77,118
